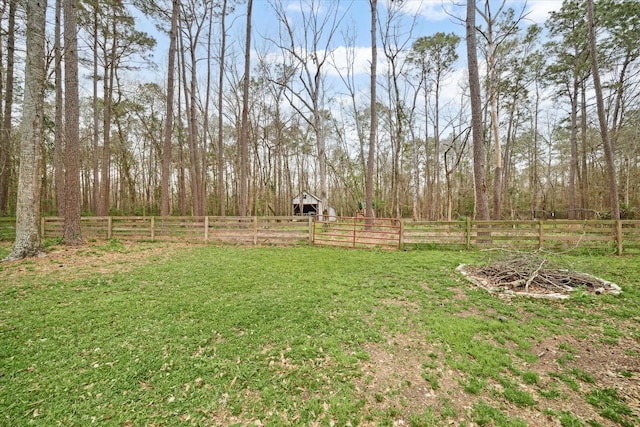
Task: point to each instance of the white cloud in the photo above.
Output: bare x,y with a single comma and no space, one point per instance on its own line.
342,58
538,10
441,10
302,6
432,10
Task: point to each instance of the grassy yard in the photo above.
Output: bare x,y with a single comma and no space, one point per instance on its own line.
158,334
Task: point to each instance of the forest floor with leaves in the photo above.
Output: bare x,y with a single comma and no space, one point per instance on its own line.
165,334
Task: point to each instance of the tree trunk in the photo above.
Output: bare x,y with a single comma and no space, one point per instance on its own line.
5,134
437,197
573,165
223,46
479,158
58,137
584,168
533,163
373,127
194,149
72,207
96,118
27,242
495,125
168,124
244,137
109,76
206,134
604,132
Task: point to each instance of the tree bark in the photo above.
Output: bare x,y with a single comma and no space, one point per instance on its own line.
58,137
72,205
194,150
479,157
168,124
604,131
223,46
27,242
373,113
5,134
244,136
109,75
96,117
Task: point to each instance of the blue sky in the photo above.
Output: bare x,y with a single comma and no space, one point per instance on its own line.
431,16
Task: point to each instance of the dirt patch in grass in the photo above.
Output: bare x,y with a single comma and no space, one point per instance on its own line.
568,362
72,262
407,375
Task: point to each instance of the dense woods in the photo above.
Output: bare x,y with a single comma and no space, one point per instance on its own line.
183,107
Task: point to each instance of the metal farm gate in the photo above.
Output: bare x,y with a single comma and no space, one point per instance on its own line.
357,232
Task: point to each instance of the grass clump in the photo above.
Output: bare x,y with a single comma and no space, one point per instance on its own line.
567,419
530,377
612,406
486,415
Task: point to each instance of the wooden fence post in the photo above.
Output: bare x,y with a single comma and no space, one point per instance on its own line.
467,230
206,229
109,227
354,230
153,228
255,230
619,236
311,230
540,234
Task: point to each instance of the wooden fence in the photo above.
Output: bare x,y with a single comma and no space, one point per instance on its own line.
554,235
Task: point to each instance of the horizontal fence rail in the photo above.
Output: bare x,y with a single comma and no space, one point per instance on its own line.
622,236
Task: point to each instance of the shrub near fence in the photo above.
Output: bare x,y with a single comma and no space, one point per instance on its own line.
619,236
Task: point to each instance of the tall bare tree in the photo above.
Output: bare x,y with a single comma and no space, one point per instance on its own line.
434,56
479,158
311,48
220,143
72,206
396,38
58,136
612,184
5,132
372,111
168,124
119,45
569,72
109,68
192,24
495,34
27,242
348,73
95,133
244,135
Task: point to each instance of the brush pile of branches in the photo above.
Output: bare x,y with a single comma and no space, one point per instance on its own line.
533,275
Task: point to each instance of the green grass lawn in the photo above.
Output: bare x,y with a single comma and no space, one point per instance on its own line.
149,334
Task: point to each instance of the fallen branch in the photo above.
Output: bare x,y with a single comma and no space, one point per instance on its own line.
529,274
